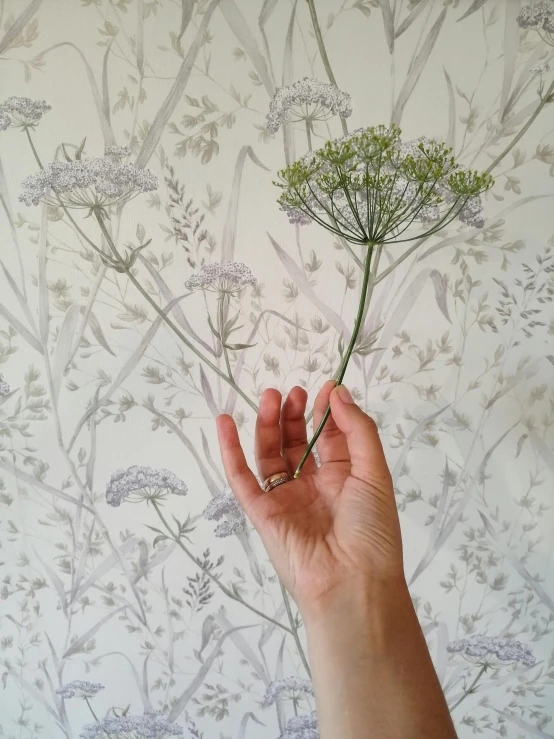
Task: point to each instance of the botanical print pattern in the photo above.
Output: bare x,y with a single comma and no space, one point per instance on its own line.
149,280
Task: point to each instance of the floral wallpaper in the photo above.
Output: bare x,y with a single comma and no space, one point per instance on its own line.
150,280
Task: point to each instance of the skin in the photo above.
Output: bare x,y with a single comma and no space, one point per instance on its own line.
333,536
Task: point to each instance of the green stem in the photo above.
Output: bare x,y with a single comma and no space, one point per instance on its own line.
470,690
295,630
370,271
229,593
323,54
223,339
309,134
90,708
165,318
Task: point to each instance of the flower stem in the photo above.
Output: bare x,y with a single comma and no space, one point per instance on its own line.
323,54
294,628
470,690
90,707
229,593
224,348
370,271
167,320
309,134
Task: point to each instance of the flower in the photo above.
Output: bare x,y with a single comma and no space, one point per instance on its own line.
487,649
94,183
537,16
119,152
222,277
292,684
5,387
20,112
80,689
143,483
149,726
294,102
370,187
226,504
301,727
543,68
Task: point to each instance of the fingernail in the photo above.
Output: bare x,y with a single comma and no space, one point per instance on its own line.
344,395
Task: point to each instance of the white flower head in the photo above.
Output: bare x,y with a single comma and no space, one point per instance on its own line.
148,726
119,152
227,505
94,183
543,68
307,100
537,16
292,685
137,483
21,112
222,277
492,650
301,727
80,689
4,386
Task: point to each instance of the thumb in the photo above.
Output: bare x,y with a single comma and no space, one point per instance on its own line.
364,445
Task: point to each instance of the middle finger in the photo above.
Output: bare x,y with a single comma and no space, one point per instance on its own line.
268,435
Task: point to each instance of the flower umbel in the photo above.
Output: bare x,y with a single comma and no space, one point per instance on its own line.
222,277
307,100
538,17
301,727
492,650
94,184
5,387
20,112
227,505
370,187
148,726
292,685
143,483
80,689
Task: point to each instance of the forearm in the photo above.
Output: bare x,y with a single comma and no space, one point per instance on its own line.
372,672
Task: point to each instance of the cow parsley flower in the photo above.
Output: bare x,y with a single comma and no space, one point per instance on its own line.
119,152
490,650
227,505
94,184
301,727
5,387
537,16
370,187
222,277
286,685
143,483
80,689
149,726
543,68
21,112
307,100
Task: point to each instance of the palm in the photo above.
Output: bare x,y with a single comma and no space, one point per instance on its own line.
331,521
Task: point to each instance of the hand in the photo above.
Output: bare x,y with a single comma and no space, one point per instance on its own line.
333,526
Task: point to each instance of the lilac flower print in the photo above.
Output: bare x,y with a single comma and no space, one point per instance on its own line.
224,278
293,685
5,387
538,16
147,726
227,505
22,112
79,689
301,727
137,483
492,650
307,100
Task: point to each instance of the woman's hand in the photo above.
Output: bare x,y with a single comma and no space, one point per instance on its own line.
333,526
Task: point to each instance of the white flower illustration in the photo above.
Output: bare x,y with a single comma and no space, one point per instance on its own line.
490,650
222,505
222,277
5,387
80,689
147,726
143,483
307,100
21,112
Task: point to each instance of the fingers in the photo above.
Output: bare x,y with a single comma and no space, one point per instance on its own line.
268,435
239,476
331,445
366,453
294,438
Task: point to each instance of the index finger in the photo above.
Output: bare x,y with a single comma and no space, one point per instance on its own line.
239,475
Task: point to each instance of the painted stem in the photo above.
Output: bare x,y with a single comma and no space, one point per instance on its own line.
370,269
323,54
222,338
167,320
295,630
470,690
229,593
309,134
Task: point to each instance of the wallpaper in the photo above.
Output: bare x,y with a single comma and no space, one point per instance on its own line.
150,280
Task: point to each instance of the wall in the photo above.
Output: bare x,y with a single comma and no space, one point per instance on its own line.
461,385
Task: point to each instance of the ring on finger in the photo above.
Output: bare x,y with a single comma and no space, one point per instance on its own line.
273,481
